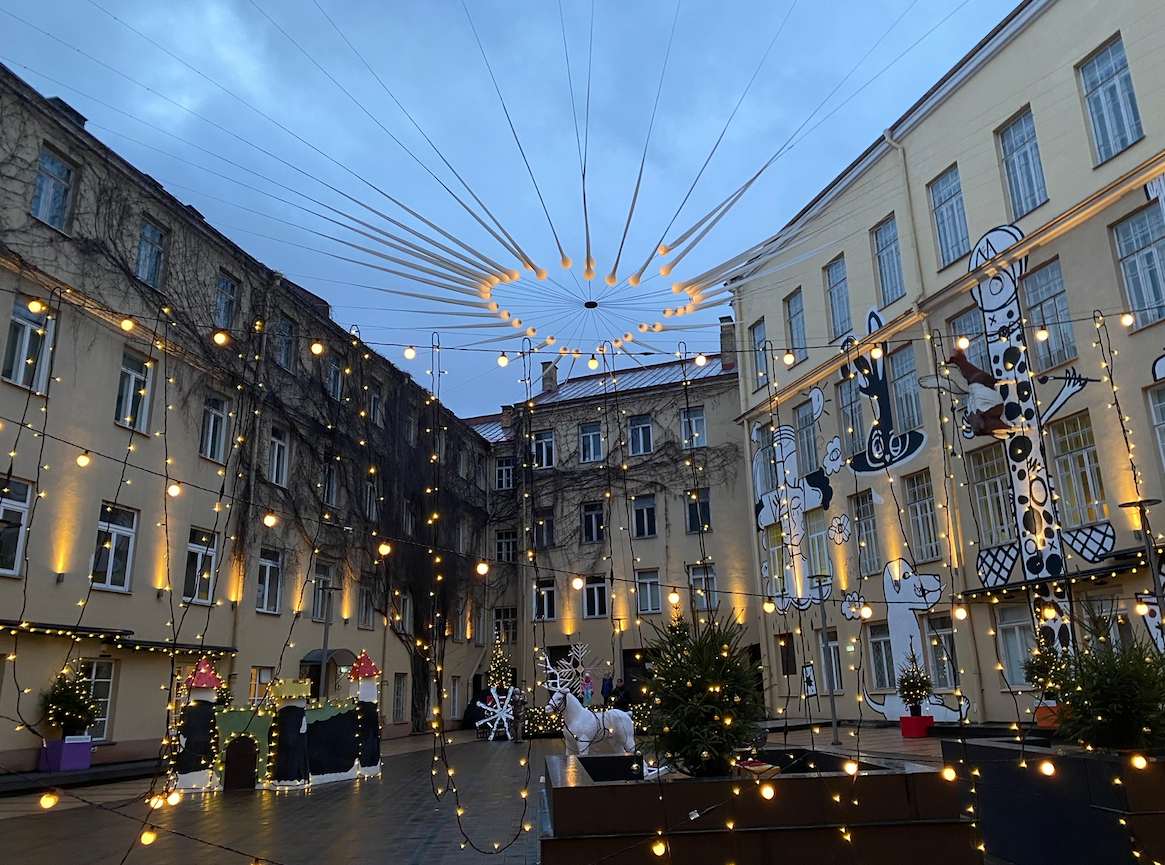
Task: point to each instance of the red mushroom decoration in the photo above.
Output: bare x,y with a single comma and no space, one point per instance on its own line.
364,675
204,682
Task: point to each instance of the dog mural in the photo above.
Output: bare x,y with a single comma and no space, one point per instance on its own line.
790,492
907,592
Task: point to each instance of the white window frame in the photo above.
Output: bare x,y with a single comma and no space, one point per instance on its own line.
202,552
1111,101
328,484
133,385
322,580
969,323
816,546
212,444
903,371
114,533
837,290
545,600
99,671
1016,635
891,285
506,625
950,218
866,531
590,442
365,610
372,499
648,597
543,449
595,597
285,346
644,518
1047,304
400,691
225,297
544,528
828,643
1082,497
376,403
269,586
882,657
924,533
593,528
506,545
698,510
702,580
504,473
52,197
760,354
404,612
151,261
259,686
944,663
991,494
1021,164
1141,246
24,365
334,378
640,440
806,438
853,431
795,315
277,457
1157,408
775,539
14,510
693,427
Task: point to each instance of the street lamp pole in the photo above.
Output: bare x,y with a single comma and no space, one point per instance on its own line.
827,658
327,589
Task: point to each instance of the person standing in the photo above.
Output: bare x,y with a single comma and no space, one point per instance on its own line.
588,690
622,696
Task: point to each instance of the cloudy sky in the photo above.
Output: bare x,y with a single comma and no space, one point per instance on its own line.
264,114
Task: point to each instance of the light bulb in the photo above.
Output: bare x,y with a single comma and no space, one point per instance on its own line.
175,489
673,597
148,837
949,773
1139,762
789,358
317,348
700,359
1048,768
269,520
410,353
1127,320
127,324
659,847
36,308
960,613
83,459
566,262
1049,613
593,363
221,338
767,791
963,343
577,582
611,278
876,352
174,798
589,273
1142,608
385,548
502,359
769,606
866,611
851,768
49,799
1042,334
482,568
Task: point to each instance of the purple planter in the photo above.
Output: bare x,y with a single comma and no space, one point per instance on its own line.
60,755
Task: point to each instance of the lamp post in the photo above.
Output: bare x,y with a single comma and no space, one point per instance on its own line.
327,588
1142,506
827,657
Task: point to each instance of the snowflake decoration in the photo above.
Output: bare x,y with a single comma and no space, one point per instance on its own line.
572,668
499,713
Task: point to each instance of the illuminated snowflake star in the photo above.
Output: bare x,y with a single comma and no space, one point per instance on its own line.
572,668
499,713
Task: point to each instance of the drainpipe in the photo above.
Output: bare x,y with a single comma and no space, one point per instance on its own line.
911,229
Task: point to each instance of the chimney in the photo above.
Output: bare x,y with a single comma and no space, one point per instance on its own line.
549,376
727,343
507,418
68,110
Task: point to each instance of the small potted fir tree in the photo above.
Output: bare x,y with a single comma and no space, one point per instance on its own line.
67,705
1042,669
914,687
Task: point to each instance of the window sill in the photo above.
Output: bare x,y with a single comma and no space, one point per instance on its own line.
59,231
1016,217
698,531
269,612
19,386
644,537
649,612
101,587
196,603
132,429
366,627
1125,149
953,263
203,456
540,621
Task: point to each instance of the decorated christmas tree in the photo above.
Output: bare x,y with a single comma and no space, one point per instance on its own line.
68,705
500,674
914,685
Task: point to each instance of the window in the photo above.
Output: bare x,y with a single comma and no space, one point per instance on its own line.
923,520
766,456
506,624
277,457
1081,486
479,626
592,523
479,472
260,681
543,450
224,301
852,422
1112,105
946,197
328,486
14,513
458,631
970,324
760,353
285,344
699,510
590,442
269,597
198,587
455,698
1021,164
365,610
28,333
507,546
372,498
806,438
831,656
410,518
1140,244
904,385
702,579
544,528
54,190
775,538
647,591
375,404
1157,403
595,600
944,667
693,427
321,589
788,654
151,251
1047,305
816,547
882,657
838,289
795,315
545,600
213,444
991,489
404,613
459,537
504,473
639,434
1013,626
113,558
866,526
400,691
643,511
132,391
99,675
333,377
889,257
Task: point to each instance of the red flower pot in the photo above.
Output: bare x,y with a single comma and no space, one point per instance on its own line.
1047,717
915,726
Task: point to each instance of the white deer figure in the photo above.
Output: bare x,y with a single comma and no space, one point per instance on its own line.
581,727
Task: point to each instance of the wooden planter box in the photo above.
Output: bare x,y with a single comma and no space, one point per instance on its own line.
64,755
1080,806
900,809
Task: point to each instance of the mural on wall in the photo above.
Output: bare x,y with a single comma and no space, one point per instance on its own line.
885,447
791,491
1011,414
907,594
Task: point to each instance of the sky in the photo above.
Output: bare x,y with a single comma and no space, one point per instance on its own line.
263,115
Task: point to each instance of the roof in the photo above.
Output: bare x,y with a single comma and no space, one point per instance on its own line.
637,378
203,676
489,427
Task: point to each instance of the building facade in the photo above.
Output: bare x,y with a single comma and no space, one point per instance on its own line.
1013,213
202,463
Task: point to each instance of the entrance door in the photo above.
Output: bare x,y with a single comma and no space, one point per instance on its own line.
240,766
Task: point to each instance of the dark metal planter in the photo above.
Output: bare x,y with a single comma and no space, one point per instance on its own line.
883,815
1072,815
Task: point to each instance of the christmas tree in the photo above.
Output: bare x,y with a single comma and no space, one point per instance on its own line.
500,674
914,685
68,705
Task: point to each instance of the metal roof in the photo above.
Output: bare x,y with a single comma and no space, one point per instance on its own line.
636,378
489,428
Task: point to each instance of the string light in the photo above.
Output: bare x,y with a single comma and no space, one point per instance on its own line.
127,324
659,847
767,791
960,612
174,490
50,799
385,548
1048,768
36,307
410,353
1042,334
593,363
789,358
963,343
673,597
83,459
148,837
1127,320
769,606
317,348
1142,609
270,520
577,583
1139,762
482,568
949,773
221,338
866,611
502,359
700,359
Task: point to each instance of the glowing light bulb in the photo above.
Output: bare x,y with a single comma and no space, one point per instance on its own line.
1048,768
700,359
482,568
659,848
767,791
1127,320
1142,608
317,348
769,606
851,768
576,352
566,262
657,327
385,548
949,773
410,353
876,352
577,583
1139,762
502,359
789,358
963,343
1042,334
127,324
36,308
48,800
866,611
960,613
270,520
673,597
157,802
504,315
593,363
1049,613
220,337
83,459
174,490
174,798
148,837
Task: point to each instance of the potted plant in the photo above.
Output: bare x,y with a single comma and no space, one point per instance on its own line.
68,706
914,686
1042,669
